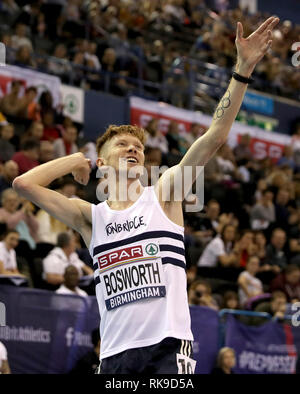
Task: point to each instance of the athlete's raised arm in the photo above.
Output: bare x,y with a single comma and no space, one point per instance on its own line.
250,51
75,213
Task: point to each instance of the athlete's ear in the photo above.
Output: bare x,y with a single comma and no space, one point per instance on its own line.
100,162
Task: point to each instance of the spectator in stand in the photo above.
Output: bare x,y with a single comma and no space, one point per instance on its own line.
260,242
276,307
249,285
88,364
10,103
49,228
196,131
8,259
7,149
24,57
4,366
70,283
200,294
29,109
220,250
154,138
51,130
27,158
288,282
276,258
230,300
46,102
281,208
261,187
34,132
245,247
67,144
263,212
60,65
225,363
9,173
242,150
46,152
20,38
60,258
177,145
21,220
287,158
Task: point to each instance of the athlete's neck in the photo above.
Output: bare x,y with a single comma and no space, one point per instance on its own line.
119,200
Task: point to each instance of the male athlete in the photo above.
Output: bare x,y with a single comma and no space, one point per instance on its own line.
137,245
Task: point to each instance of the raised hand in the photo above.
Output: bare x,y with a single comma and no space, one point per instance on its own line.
252,49
81,173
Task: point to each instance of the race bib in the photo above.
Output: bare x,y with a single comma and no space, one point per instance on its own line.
131,274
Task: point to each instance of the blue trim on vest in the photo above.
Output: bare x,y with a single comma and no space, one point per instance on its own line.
171,260
172,248
136,238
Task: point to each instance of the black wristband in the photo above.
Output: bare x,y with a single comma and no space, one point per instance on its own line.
242,79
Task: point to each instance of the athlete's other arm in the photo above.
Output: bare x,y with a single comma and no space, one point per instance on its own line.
75,213
250,51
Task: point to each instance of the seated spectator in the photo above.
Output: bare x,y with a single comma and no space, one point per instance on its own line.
288,282
154,138
287,158
263,212
88,364
27,158
49,228
46,152
4,366
21,220
10,103
245,247
249,285
28,108
220,250
230,300
9,173
207,226
153,159
276,259
7,149
260,243
8,260
261,186
62,256
34,132
67,144
242,150
276,307
177,145
24,57
20,38
195,132
199,293
70,283
281,208
60,64
225,362
51,130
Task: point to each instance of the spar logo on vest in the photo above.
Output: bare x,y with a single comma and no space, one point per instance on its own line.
128,225
131,274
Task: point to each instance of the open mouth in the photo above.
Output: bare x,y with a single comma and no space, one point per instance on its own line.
131,160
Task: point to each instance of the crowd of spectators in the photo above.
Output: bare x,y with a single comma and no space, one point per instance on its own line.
142,39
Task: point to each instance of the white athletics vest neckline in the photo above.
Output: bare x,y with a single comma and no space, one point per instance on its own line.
139,264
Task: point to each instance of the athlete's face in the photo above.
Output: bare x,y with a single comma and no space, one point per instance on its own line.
124,148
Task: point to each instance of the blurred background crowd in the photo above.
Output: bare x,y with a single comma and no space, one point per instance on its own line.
141,39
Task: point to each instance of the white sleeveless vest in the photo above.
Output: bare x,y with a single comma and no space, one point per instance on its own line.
139,265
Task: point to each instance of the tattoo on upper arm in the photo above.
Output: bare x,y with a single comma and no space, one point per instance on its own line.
225,103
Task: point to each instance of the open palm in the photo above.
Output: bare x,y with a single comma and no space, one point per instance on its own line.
251,50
